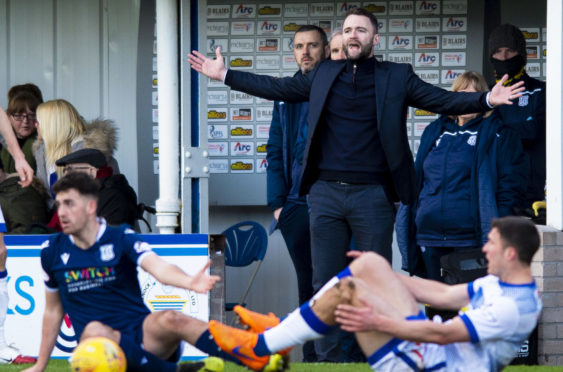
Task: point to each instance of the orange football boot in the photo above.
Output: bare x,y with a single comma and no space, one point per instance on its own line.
256,322
240,344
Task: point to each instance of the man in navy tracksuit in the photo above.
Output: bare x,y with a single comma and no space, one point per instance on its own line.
507,52
286,143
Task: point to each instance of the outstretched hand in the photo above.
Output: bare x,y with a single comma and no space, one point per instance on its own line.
501,95
202,282
212,68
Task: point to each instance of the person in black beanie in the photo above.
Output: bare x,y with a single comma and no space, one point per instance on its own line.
507,52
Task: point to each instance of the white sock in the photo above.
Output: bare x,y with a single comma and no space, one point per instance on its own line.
295,329
299,326
3,309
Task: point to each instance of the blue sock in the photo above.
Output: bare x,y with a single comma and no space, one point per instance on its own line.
141,360
207,344
261,349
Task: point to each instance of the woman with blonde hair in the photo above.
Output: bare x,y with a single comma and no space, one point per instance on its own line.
62,130
469,169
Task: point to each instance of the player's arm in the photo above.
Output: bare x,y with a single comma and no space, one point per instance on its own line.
365,319
24,170
52,319
433,293
170,274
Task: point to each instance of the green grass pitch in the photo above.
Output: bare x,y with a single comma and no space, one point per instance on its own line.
57,365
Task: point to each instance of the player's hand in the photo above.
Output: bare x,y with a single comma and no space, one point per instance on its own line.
356,319
501,95
201,282
24,171
212,68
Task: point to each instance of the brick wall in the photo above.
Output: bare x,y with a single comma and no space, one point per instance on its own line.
547,268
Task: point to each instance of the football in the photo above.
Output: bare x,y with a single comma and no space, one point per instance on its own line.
98,354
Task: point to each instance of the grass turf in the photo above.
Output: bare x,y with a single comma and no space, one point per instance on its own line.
63,366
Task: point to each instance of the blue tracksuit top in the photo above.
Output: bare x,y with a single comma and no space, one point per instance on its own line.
444,216
495,183
285,148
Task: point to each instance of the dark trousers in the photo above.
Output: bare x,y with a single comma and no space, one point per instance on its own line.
431,257
294,226
337,212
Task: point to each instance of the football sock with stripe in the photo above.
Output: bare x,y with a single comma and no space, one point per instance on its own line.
298,327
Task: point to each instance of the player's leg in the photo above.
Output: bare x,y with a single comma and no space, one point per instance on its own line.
164,330
316,317
3,291
379,276
311,321
8,354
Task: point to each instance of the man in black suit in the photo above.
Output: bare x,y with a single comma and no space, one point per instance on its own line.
357,160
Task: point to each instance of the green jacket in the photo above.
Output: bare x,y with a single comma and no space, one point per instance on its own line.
8,163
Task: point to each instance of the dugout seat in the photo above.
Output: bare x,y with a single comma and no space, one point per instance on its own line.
246,242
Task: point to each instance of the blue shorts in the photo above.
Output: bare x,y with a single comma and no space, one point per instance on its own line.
137,337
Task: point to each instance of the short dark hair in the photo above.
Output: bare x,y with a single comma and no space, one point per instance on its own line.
365,13
18,103
79,181
306,28
28,88
520,233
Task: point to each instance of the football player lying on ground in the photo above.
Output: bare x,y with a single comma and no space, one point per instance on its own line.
91,274
380,306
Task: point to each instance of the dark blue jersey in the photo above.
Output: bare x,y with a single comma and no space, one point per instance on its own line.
99,283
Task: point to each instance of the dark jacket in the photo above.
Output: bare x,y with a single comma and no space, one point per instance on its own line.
117,202
397,87
285,153
527,116
498,179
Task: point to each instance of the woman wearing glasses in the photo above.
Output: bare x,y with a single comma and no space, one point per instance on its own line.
21,111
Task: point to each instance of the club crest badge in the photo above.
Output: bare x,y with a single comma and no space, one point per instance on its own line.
106,252
523,101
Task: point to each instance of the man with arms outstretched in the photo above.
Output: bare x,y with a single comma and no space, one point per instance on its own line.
499,312
91,274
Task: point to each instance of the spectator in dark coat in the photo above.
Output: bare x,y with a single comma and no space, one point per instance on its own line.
507,52
117,202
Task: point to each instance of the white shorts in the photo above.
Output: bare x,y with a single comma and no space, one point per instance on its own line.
399,355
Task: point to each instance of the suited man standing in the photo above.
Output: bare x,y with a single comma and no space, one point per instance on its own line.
357,160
